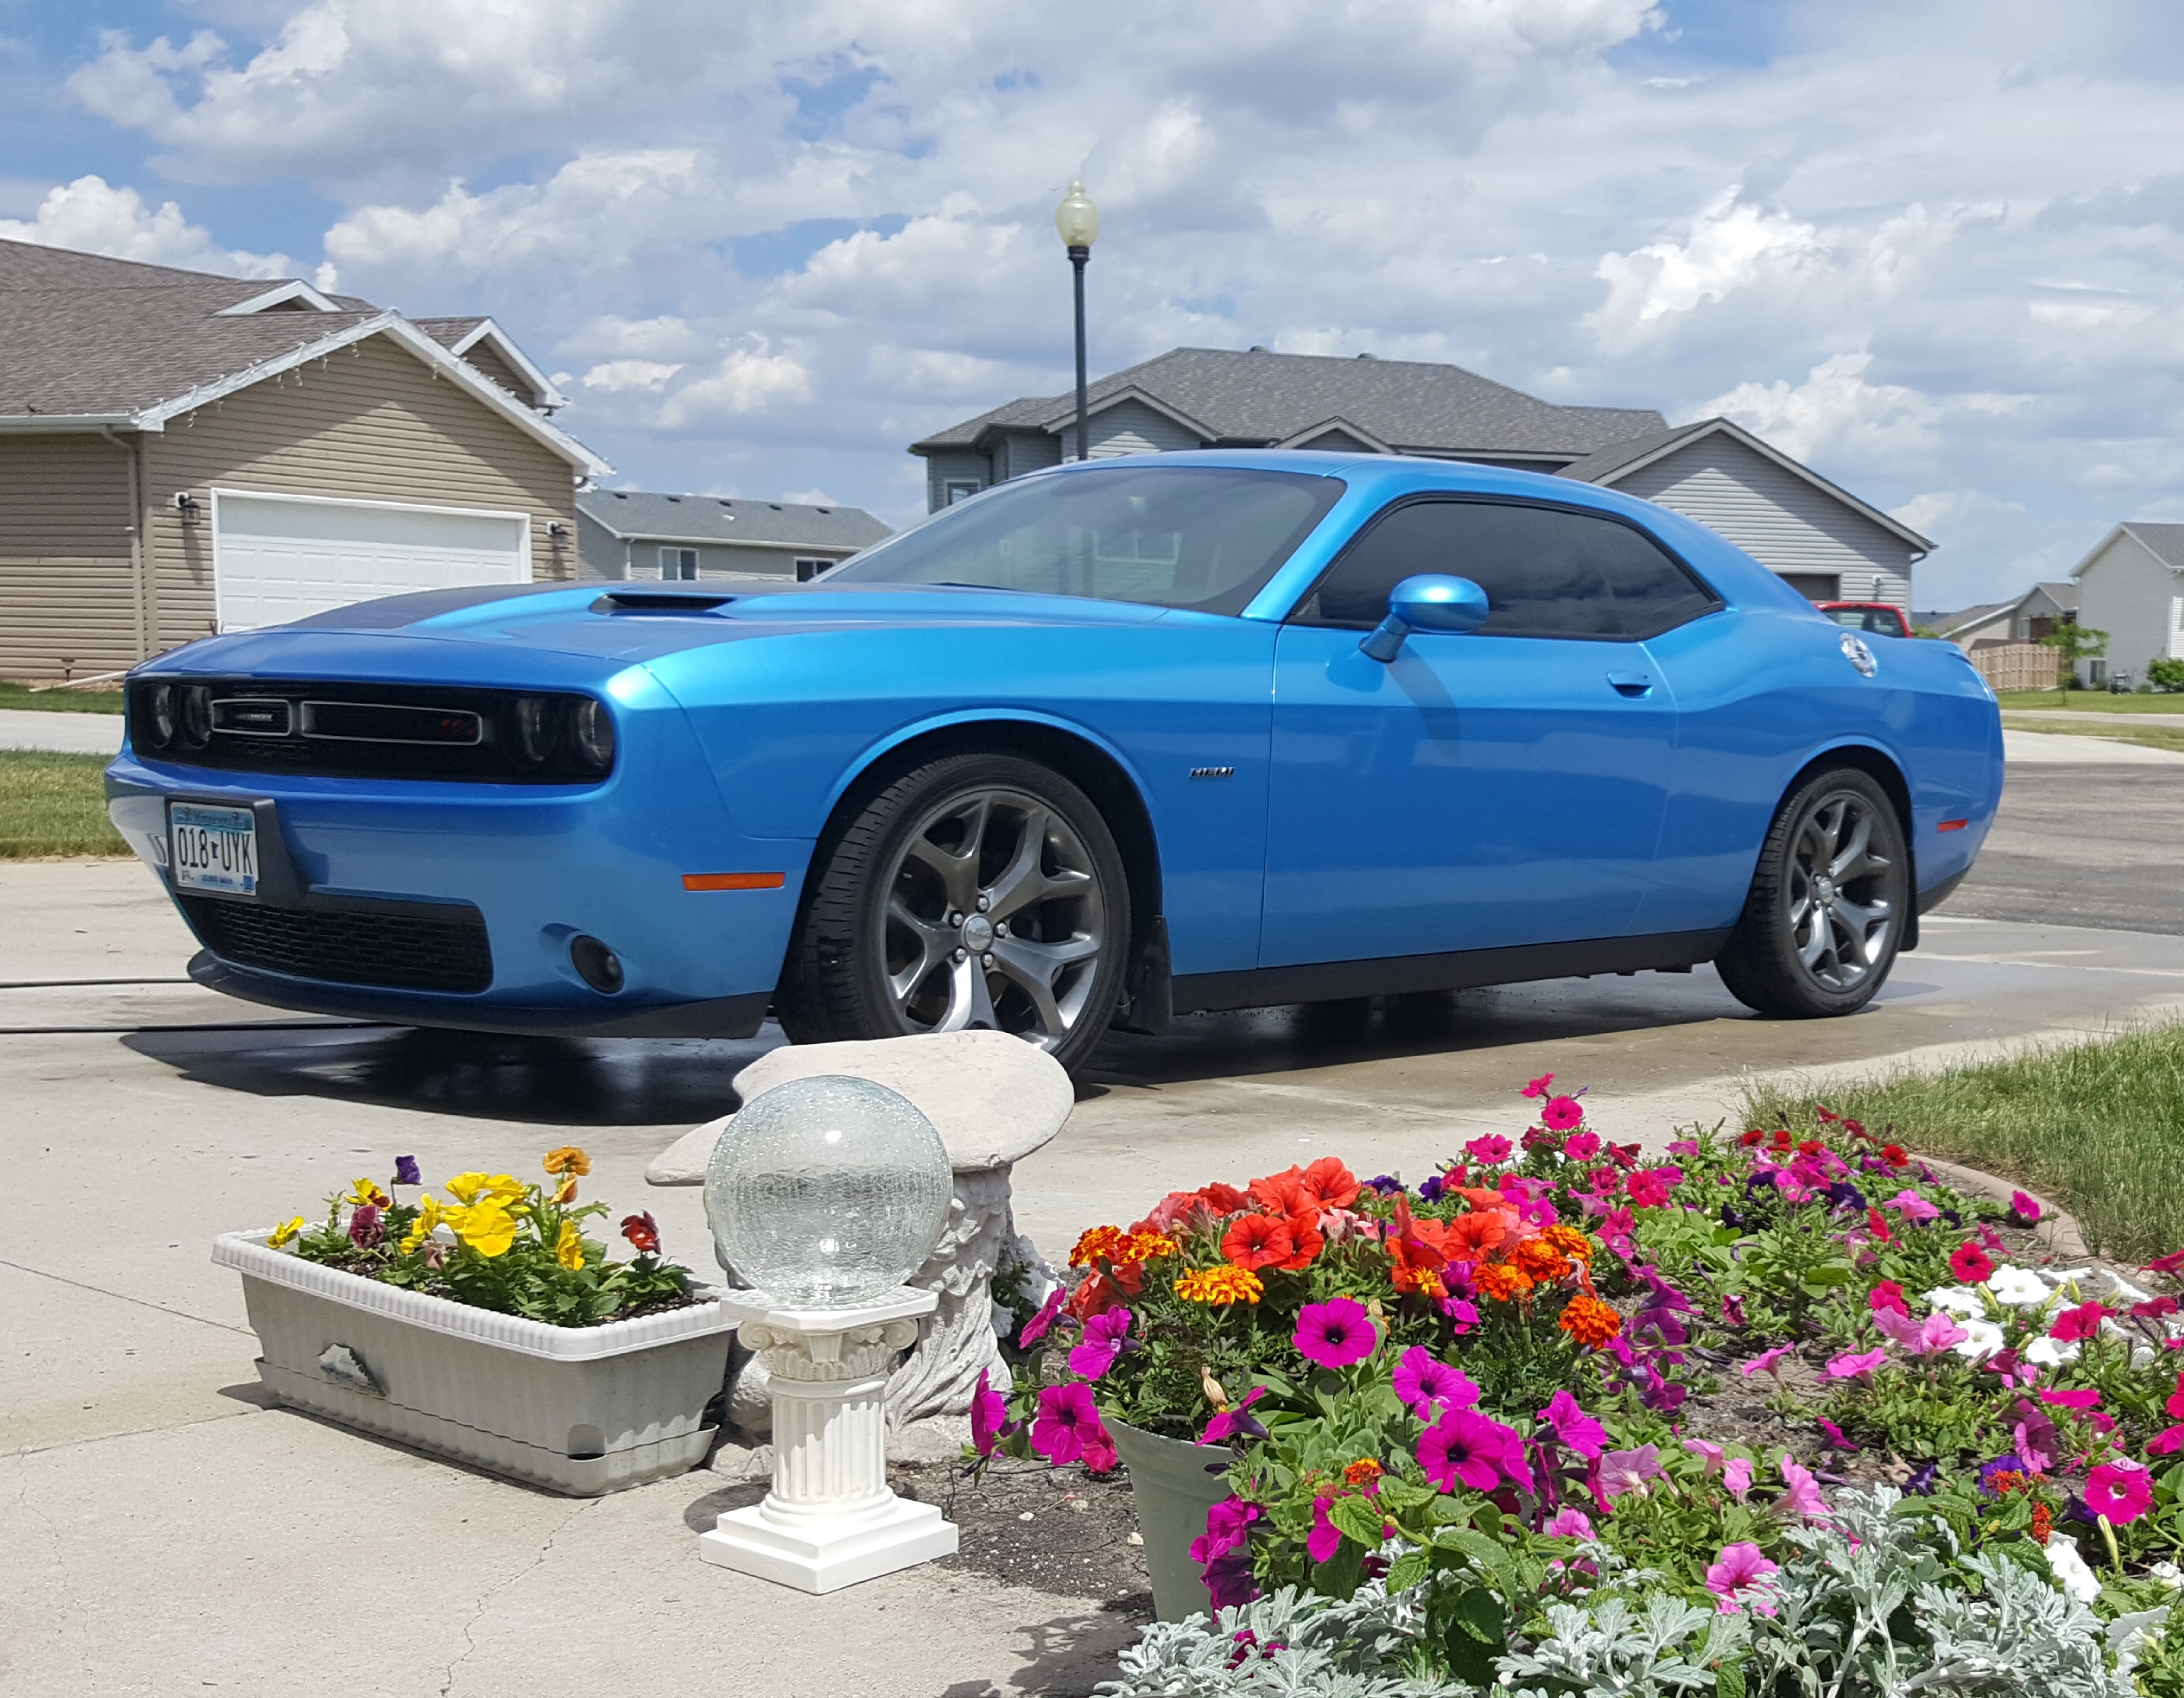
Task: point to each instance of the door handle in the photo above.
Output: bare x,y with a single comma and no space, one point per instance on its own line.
1632,684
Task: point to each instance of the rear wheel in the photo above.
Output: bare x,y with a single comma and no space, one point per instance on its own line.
977,891
1829,901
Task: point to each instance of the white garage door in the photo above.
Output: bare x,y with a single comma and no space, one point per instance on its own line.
279,558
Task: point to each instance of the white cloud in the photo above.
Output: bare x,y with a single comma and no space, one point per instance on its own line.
91,215
748,380
810,497
1729,246
615,375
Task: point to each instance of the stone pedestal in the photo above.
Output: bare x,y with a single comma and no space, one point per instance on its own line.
994,1100
830,1520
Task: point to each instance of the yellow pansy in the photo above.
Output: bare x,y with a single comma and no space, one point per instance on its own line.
500,1188
487,1228
429,1214
570,1251
281,1234
367,1195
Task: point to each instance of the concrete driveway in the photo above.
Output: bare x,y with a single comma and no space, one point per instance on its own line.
163,1529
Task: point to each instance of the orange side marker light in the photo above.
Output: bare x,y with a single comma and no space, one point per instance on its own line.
1946,826
733,881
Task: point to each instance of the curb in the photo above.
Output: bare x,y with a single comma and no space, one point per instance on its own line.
2057,1229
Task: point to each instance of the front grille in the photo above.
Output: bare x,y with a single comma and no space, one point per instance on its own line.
344,946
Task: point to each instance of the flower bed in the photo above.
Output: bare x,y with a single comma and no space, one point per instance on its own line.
1559,1395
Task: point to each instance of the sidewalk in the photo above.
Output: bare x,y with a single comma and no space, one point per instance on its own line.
66,732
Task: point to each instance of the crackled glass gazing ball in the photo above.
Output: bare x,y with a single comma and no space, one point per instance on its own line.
826,1193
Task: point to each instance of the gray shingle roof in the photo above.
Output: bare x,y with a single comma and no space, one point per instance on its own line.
2166,541
1260,397
1605,463
633,515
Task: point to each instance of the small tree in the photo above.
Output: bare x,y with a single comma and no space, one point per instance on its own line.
2165,675
2076,643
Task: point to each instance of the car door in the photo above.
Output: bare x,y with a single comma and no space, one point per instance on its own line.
1501,787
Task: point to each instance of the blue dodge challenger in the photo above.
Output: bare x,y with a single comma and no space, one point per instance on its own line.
1102,745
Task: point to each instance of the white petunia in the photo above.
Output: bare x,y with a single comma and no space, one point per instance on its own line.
1959,1300
2125,1292
2020,1287
2050,1354
1981,1340
2070,1572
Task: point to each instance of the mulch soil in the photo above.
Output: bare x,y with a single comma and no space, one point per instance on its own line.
1061,1531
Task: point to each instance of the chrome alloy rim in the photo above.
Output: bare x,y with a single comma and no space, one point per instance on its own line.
1840,915
995,919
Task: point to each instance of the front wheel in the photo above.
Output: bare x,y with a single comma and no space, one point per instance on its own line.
979,891
1829,901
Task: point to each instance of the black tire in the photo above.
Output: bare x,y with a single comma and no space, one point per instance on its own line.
1829,902
971,880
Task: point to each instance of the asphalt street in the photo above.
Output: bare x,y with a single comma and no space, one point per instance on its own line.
2100,846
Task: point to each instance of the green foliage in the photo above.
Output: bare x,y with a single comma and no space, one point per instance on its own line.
2165,675
54,803
96,699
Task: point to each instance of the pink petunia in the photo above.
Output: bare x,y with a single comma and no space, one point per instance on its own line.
1767,1362
1568,1524
1538,1088
1628,1470
2120,1491
1103,1343
1913,1206
1561,1114
2085,1399
988,1410
2083,1322
1325,1538
1573,1426
1491,1149
1738,1577
1467,1447
1426,1384
1067,1418
1336,1333
1684,1147
1855,1364
1581,1146
1896,1326
1736,1476
1713,1455
1036,1328
2167,1442
2025,1208
1936,1332
1801,1496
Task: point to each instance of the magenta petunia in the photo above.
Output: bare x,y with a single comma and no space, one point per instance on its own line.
1490,1148
1561,1114
1466,1447
2086,1398
1801,1496
1426,1384
1851,1364
1738,1577
1325,1538
1036,1328
1581,1146
1228,1527
1573,1426
1067,1418
2083,1322
1648,1190
1236,1422
1539,1087
988,1410
2026,1207
1568,1524
1103,1342
2167,1442
1335,1334
1628,1470
1100,1456
2120,1491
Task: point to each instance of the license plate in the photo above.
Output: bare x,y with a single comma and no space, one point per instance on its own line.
213,849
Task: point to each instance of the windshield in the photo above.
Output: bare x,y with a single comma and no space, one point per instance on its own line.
1205,537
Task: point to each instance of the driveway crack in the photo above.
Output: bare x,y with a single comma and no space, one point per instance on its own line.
486,1599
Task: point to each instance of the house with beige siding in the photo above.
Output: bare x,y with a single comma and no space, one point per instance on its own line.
1822,539
182,454
2132,586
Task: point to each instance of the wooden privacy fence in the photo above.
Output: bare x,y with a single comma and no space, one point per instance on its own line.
2018,666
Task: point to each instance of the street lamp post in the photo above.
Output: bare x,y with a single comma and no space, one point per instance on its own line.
1077,222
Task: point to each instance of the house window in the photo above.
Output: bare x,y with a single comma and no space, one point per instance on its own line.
954,491
679,563
2096,673
808,570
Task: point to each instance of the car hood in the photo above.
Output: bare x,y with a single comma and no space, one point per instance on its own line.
616,623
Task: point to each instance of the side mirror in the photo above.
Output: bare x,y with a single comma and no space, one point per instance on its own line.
1428,602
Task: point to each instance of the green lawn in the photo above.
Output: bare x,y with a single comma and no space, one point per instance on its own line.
2099,1126
102,699
2093,702
53,804
2170,737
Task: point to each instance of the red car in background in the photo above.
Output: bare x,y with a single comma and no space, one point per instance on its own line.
1878,616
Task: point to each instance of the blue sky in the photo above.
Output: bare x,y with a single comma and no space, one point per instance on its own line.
1937,251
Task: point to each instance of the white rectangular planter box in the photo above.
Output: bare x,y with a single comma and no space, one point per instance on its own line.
580,1410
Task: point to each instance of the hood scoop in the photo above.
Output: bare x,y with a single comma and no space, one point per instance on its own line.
647,600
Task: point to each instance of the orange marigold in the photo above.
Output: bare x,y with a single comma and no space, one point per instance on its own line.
1570,1242
1223,1284
1539,1261
1501,1282
1144,1247
1097,1242
1361,1471
1589,1321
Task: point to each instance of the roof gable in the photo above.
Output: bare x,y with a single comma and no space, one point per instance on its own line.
635,515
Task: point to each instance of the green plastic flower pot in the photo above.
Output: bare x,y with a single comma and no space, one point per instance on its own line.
1173,1483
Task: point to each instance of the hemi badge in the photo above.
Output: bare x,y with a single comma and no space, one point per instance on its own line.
1952,825
1214,772
733,881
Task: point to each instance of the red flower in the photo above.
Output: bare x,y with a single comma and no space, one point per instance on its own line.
1886,1294
1281,1193
1258,1241
1749,1139
1224,1199
1307,1242
2170,1263
1328,1184
1895,1155
2083,1322
1782,1138
1879,1226
1096,1296
1970,1264
643,1234
1810,1146
1561,1114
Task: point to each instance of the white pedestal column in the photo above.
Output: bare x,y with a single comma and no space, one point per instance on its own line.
830,1520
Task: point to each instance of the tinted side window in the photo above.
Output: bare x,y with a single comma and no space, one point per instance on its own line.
1546,572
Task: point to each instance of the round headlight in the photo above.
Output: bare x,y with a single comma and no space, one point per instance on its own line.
592,733
195,712
535,730
159,715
